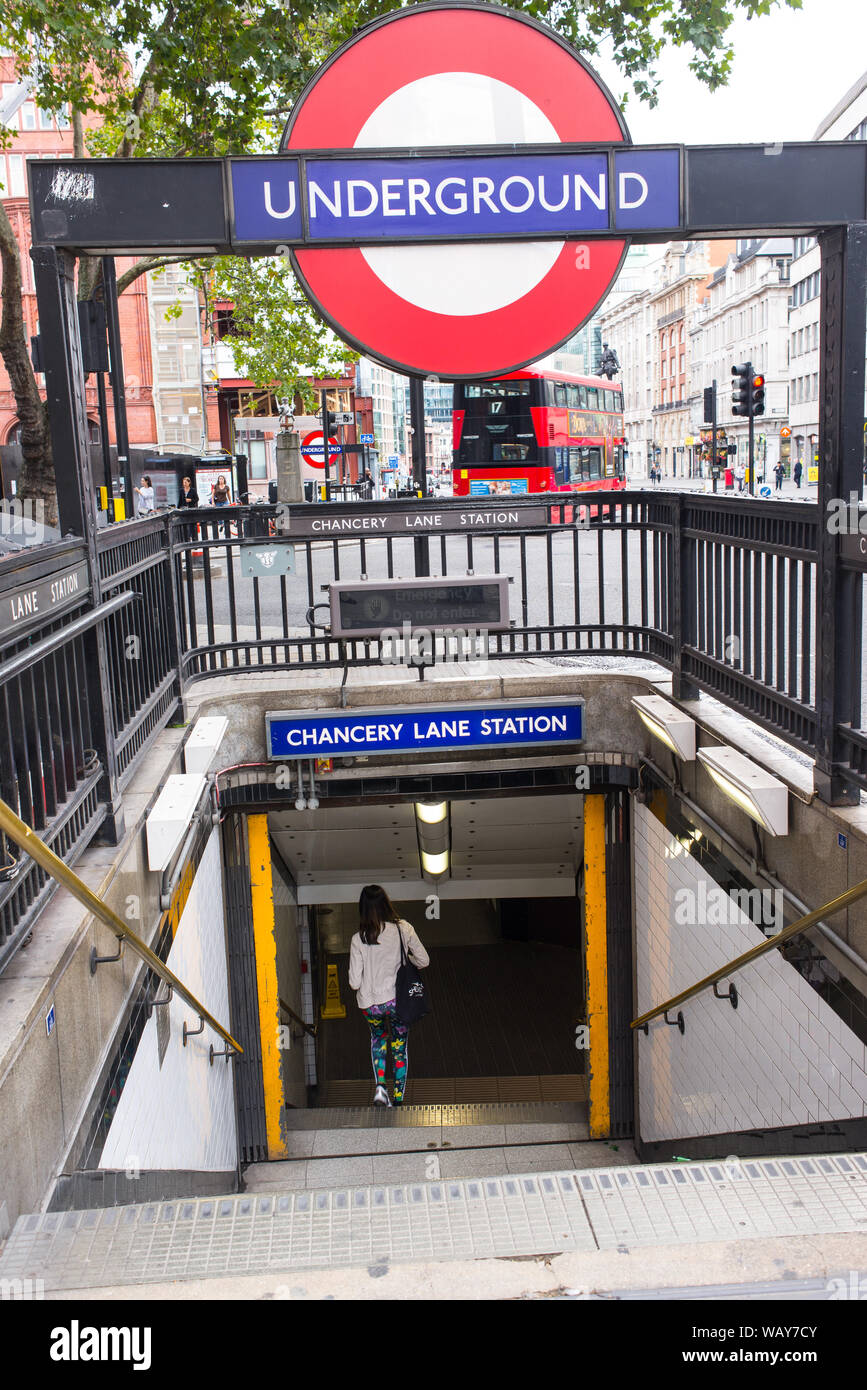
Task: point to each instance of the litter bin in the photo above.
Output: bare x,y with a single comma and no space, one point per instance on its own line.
730,480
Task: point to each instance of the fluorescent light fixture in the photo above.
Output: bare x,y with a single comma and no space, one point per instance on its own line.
435,864
431,813
665,722
761,796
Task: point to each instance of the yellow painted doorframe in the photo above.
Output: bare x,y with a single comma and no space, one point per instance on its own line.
596,958
265,945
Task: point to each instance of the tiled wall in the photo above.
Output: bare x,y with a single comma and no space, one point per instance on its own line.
289,984
783,1057
181,1114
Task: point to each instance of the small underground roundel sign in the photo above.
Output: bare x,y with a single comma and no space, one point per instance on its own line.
453,79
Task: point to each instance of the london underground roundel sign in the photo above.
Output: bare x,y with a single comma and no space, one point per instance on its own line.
449,77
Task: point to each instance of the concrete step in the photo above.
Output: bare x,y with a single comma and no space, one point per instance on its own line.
415,1164
474,1090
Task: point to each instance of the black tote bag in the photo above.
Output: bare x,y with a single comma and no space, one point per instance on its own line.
411,998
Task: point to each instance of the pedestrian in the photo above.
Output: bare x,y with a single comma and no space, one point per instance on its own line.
366,481
220,493
796,472
779,470
189,498
740,474
145,496
374,960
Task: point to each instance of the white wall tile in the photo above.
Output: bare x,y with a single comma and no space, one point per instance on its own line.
182,1115
779,1059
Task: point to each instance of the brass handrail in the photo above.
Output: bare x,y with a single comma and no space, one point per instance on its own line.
803,924
29,841
308,1027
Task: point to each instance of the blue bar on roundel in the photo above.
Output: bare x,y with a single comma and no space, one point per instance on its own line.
266,200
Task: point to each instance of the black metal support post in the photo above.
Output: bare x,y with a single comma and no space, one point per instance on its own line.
714,466
118,390
751,450
104,444
841,448
323,410
682,603
54,276
419,464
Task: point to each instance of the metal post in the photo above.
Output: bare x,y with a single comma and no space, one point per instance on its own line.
714,467
419,464
104,444
841,445
54,276
323,410
118,390
682,602
751,440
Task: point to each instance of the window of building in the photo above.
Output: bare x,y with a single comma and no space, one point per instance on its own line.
46,120
28,116
815,386
17,184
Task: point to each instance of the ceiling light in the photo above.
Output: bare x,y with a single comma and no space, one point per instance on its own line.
431,812
435,864
749,786
666,722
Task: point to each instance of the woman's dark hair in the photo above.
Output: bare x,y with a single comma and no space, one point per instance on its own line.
375,908
146,479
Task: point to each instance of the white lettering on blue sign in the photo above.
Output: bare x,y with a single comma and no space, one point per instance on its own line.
373,197
474,727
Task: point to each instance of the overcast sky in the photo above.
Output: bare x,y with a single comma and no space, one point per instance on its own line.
790,69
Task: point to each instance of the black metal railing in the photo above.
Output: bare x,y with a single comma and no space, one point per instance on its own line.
720,591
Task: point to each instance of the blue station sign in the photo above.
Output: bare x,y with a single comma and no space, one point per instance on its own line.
358,199
427,730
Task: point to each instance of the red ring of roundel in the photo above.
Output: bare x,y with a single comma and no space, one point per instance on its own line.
364,310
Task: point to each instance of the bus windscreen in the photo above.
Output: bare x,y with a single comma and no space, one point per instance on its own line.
497,426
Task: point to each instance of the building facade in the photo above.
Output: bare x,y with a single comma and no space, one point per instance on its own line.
681,280
744,317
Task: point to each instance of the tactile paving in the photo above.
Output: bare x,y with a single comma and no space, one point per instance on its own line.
518,1214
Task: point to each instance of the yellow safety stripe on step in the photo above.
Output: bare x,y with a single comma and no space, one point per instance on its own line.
596,956
262,897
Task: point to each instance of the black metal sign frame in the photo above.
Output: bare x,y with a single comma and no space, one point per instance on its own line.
118,206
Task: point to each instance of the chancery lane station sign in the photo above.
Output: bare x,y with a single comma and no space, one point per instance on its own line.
298,734
457,191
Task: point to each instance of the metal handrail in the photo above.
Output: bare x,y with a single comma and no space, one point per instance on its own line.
803,924
16,829
308,1027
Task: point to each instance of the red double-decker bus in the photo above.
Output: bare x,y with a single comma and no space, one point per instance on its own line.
537,431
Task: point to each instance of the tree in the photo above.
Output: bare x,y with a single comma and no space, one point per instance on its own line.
213,77
277,339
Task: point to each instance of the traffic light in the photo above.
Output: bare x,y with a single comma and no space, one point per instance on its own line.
709,403
757,395
742,380
332,421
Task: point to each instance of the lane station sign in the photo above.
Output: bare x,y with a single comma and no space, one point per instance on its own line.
298,734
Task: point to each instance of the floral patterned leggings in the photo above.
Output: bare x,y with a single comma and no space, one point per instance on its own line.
382,1019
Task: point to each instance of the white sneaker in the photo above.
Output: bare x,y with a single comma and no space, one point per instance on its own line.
380,1096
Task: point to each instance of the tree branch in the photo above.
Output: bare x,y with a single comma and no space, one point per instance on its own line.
149,263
